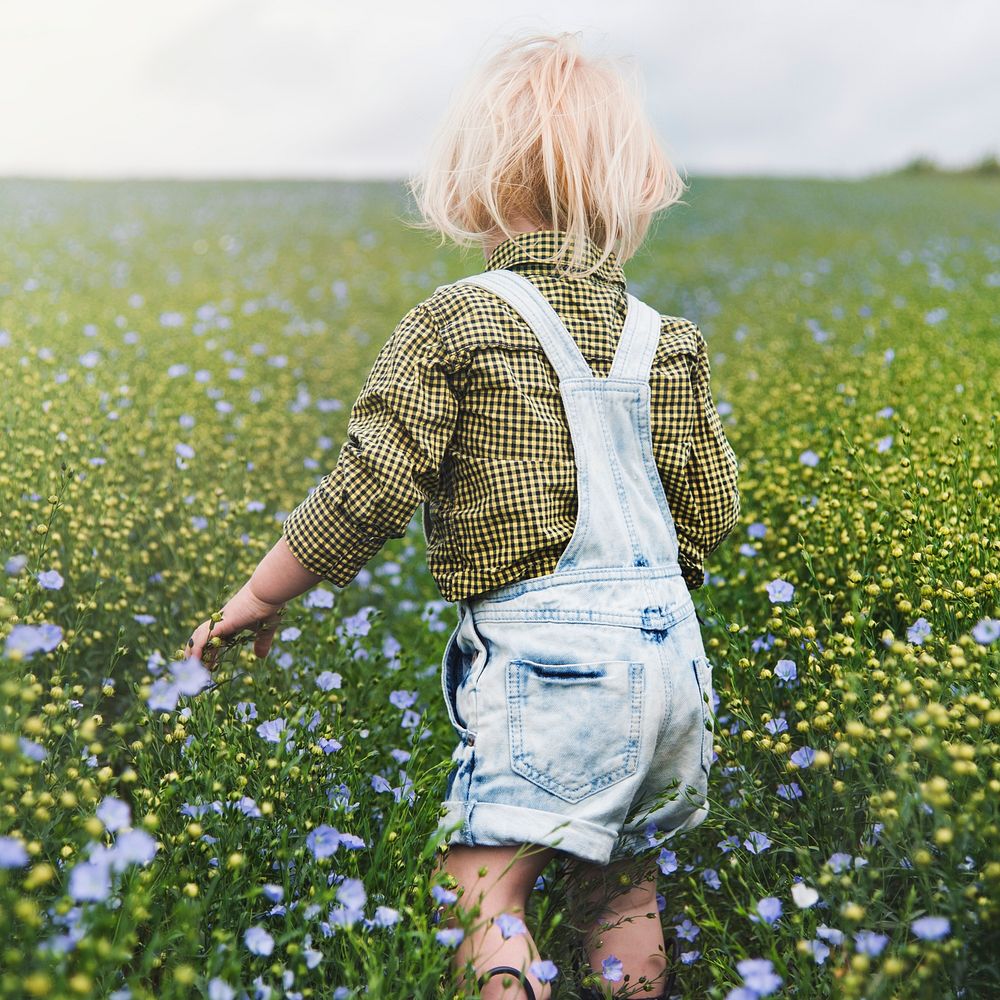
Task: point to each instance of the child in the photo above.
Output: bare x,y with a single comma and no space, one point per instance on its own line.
574,474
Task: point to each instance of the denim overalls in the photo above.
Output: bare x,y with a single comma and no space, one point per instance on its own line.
582,698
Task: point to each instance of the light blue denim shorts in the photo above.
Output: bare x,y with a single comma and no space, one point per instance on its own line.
577,734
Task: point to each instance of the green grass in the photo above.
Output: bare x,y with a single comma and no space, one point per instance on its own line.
851,325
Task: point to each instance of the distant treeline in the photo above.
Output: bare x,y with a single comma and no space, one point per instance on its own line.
988,166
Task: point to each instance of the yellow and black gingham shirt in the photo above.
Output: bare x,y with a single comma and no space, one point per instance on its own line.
461,412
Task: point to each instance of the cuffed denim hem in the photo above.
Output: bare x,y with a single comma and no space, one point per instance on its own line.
493,824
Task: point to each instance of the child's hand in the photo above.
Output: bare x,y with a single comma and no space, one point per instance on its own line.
244,611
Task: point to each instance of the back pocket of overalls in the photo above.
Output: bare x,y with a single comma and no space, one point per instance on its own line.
703,674
575,727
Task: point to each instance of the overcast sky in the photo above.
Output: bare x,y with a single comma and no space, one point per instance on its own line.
341,88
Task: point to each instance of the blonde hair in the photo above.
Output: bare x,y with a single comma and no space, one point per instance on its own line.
545,134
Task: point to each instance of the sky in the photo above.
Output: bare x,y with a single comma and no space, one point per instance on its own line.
342,89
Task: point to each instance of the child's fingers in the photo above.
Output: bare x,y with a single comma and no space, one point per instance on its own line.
262,641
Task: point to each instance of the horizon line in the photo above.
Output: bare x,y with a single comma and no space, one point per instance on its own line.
398,179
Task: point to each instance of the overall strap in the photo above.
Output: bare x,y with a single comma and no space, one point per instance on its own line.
639,340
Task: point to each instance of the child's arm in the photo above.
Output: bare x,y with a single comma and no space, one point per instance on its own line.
397,434
712,473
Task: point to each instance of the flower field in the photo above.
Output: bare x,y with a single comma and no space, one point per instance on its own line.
178,361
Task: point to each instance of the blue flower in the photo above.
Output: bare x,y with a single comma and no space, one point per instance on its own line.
819,950
450,936
190,677
26,640
358,624
163,695
114,813
271,730
443,895
328,680
31,749
809,457
687,930
785,670
345,916
91,879
50,580
830,934
410,719
544,970
759,975
667,861
258,940
803,757
15,564
790,790
323,841
757,530
219,989
918,631
132,847
780,591
351,892
402,699
986,631
13,853
870,943
768,910
612,969
711,878
757,842
385,916
318,597
510,925
930,928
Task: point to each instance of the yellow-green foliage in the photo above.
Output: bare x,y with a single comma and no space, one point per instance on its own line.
178,362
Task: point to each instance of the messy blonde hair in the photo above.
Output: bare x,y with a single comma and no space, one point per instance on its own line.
544,134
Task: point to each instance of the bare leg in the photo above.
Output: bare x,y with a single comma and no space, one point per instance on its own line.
615,907
497,880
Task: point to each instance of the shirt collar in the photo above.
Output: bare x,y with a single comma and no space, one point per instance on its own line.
518,252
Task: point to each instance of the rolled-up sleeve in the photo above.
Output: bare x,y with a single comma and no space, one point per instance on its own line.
397,434
712,474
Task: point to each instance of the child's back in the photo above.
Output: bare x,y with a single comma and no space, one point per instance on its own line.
461,412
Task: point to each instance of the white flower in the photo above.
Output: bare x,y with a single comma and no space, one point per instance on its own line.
804,895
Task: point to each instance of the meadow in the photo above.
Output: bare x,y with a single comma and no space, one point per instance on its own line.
178,362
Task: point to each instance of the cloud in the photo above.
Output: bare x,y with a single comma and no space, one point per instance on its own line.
320,88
